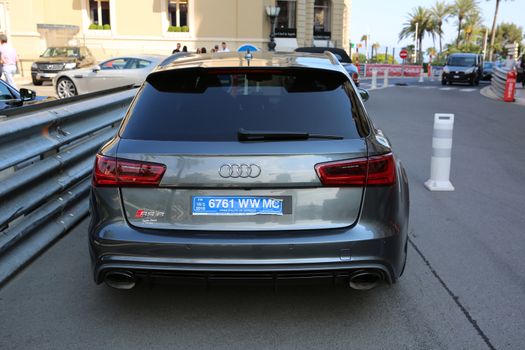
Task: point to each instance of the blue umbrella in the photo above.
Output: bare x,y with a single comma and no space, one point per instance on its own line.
247,47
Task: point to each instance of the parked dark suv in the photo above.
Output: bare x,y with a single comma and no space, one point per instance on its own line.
56,59
463,68
264,166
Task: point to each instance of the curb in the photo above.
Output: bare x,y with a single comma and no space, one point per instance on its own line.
487,92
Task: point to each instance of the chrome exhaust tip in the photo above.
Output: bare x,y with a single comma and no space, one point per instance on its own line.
120,279
365,279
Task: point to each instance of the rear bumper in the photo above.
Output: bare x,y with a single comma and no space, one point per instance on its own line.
378,240
238,255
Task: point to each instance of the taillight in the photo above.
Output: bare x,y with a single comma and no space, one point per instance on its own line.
372,171
355,76
111,171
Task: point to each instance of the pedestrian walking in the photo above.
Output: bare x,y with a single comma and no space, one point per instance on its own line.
8,60
521,71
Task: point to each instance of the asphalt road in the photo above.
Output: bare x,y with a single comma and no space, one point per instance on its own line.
463,288
46,89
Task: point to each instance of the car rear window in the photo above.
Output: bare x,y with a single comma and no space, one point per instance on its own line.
212,105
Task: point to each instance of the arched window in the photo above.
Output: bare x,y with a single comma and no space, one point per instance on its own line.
322,19
285,24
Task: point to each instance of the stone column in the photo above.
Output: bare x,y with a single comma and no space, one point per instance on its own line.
301,22
309,23
338,14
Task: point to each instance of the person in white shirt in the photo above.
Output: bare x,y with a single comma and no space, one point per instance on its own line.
224,48
8,60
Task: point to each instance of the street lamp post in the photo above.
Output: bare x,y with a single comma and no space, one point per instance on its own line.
272,12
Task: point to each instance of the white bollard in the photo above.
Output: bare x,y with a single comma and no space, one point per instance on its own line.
421,76
441,152
374,79
385,82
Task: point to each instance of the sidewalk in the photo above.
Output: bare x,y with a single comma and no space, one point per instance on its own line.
22,80
520,95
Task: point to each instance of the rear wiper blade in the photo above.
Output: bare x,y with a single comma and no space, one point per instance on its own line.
255,135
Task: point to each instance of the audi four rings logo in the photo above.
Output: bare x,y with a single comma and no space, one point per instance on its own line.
239,170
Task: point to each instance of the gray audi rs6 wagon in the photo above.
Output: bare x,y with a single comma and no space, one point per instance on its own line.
262,166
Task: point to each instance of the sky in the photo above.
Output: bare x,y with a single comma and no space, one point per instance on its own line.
383,20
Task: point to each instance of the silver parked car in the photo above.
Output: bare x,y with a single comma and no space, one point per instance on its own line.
265,166
115,72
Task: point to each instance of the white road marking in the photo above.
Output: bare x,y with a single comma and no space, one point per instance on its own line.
447,88
467,90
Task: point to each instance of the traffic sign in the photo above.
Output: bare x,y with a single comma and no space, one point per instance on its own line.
403,54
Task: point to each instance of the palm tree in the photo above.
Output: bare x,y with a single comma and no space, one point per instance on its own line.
472,27
462,9
493,31
440,13
431,51
421,16
375,46
365,39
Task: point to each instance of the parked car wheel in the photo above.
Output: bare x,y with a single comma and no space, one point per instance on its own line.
36,82
66,88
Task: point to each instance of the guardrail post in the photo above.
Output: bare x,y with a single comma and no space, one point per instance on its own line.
374,79
441,153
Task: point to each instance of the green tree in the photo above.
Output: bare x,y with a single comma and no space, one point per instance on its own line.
440,13
380,58
463,9
421,16
472,28
507,33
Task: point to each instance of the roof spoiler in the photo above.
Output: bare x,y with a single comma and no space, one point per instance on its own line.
331,57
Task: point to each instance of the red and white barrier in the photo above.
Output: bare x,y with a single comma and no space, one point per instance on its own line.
394,70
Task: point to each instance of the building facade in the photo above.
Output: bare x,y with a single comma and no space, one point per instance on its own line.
119,27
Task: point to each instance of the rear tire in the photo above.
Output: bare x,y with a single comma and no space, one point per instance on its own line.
66,88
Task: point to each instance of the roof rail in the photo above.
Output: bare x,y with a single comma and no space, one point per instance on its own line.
331,57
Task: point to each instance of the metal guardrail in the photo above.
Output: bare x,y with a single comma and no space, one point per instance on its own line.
37,106
498,82
46,156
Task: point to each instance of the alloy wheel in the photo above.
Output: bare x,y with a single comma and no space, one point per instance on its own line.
66,88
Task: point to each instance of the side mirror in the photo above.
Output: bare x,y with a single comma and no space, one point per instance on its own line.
96,68
27,95
364,94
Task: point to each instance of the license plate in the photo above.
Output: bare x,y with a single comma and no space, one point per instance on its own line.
236,206
456,76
